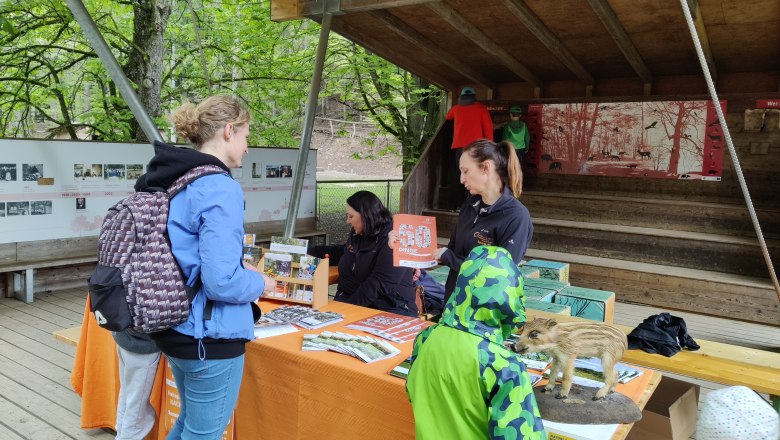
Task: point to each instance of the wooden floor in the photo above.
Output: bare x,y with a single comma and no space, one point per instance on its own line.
37,401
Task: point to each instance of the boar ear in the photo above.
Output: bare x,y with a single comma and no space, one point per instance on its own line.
552,323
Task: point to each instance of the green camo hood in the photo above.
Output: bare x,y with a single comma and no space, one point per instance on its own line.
488,299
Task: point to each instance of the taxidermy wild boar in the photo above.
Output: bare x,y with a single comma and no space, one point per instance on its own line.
565,341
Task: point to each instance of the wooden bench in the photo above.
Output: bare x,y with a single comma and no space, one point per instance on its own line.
20,275
725,364
68,335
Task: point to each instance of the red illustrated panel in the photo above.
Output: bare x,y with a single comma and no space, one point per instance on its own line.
663,139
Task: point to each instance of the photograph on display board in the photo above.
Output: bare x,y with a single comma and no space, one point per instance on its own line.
114,171
661,139
133,171
31,172
257,171
40,207
8,172
273,171
81,203
285,170
18,208
2,209
88,171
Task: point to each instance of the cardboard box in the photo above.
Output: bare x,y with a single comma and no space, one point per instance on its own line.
539,293
670,413
551,270
598,305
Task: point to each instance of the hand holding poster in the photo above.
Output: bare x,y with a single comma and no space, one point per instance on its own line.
415,244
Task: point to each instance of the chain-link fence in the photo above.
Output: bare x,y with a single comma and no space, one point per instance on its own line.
332,202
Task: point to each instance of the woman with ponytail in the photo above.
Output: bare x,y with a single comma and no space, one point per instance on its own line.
491,215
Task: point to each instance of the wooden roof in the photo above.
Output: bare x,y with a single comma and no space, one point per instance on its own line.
564,48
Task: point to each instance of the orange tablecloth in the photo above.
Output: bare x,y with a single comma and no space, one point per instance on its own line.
285,393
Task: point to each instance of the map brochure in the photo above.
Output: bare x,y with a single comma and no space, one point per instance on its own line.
416,244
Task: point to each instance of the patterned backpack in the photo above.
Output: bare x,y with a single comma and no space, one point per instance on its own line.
137,283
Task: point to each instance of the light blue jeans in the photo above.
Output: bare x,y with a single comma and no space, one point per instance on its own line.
208,391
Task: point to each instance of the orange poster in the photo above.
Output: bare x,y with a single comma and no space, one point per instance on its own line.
171,404
416,242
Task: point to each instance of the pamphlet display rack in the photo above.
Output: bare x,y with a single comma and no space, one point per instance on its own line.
318,284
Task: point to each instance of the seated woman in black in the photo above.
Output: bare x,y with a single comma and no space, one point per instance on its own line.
367,276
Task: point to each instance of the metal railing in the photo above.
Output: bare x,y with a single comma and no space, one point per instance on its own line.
332,201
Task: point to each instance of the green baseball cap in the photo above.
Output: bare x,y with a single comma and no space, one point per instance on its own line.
515,109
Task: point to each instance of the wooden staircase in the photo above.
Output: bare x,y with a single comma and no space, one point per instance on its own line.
703,260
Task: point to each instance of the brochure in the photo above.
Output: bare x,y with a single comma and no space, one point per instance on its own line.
402,370
308,265
536,361
396,328
365,348
305,317
380,321
290,245
416,244
589,373
265,328
404,333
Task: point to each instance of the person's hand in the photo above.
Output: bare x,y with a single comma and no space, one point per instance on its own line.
249,266
391,239
269,284
439,252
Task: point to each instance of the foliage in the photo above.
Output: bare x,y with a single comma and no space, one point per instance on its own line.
53,82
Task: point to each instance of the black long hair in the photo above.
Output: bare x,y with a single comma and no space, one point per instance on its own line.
373,213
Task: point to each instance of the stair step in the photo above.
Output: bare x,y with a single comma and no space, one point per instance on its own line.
700,291
713,252
705,217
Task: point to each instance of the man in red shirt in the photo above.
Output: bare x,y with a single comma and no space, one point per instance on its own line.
472,120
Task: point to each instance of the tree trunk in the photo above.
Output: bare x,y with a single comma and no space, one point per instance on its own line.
146,61
674,157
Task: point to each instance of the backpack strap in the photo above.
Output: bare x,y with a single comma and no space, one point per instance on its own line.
192,175
176,187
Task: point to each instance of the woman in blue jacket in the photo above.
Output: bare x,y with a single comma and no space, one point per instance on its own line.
206,229
367,276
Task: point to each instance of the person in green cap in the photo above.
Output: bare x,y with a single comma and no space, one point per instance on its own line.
516,132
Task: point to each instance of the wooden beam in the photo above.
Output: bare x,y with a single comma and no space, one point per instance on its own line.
460,23
550,41
364,39
413,36
607,16
693,5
